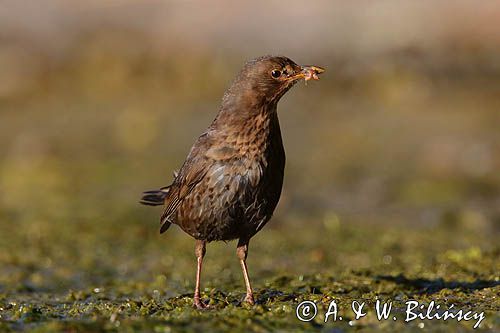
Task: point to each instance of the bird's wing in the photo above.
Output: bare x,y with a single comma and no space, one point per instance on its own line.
191,173
182,188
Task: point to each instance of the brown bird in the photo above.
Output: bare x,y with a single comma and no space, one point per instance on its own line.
231,180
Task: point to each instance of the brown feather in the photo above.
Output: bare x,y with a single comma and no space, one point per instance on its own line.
231,180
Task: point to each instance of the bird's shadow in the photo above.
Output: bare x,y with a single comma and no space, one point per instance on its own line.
272,295
431,286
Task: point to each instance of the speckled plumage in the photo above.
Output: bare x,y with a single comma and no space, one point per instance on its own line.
231,181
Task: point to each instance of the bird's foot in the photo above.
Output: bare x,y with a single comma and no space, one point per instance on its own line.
199,304
249,299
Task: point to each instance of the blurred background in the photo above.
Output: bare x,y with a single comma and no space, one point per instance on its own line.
100,100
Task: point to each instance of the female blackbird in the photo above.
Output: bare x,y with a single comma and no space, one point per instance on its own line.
231,180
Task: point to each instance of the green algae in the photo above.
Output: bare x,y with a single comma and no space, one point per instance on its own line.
153,291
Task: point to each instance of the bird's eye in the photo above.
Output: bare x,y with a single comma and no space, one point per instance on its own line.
276,73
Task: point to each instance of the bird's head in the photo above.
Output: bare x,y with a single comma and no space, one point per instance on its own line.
267,79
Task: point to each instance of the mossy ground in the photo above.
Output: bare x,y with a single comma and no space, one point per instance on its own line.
102,278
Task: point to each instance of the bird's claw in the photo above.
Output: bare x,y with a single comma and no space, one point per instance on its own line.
200,305
249,299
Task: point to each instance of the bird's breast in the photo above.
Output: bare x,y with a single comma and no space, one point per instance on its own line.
241,156
242,183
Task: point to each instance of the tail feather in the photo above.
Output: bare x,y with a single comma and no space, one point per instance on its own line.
155,197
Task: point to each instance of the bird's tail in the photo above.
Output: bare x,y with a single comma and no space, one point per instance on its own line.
155,197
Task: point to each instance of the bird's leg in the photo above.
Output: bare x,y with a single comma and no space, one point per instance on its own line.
242,251
199,250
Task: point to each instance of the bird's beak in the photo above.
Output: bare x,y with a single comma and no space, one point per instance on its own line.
308,73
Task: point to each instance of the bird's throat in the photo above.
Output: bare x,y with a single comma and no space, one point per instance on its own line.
250,129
